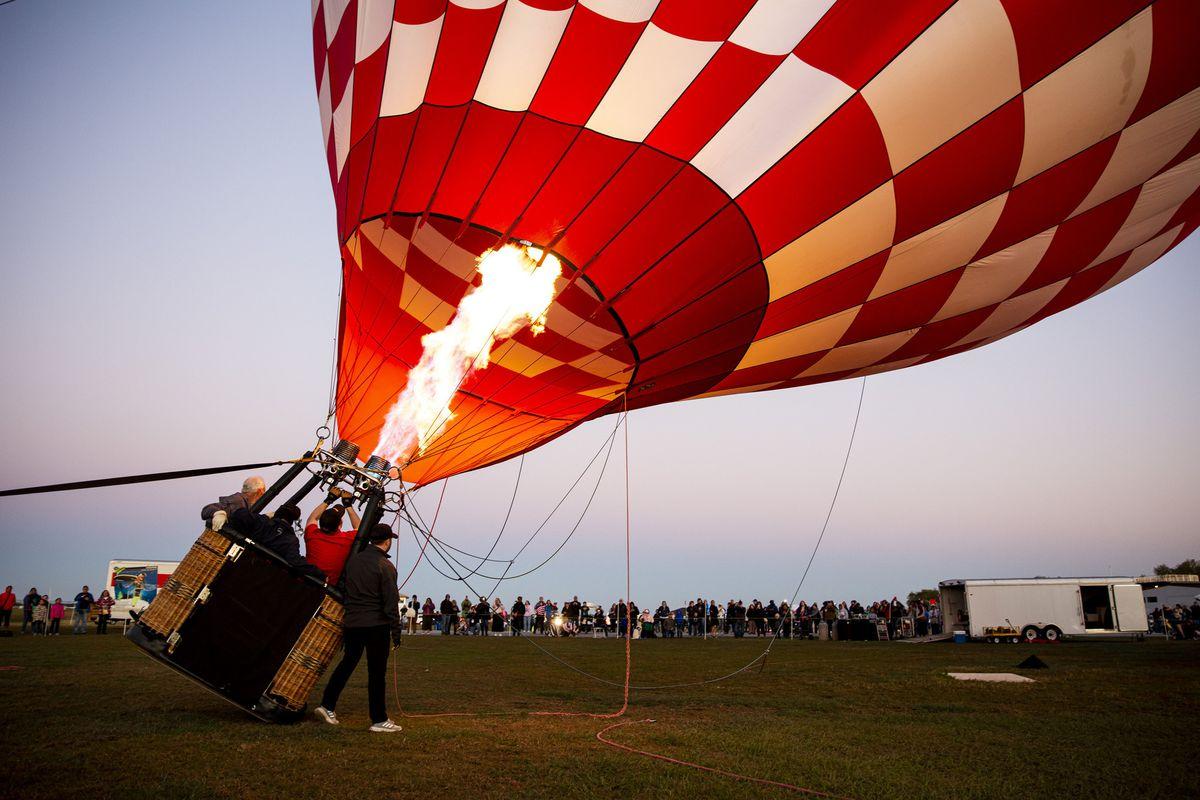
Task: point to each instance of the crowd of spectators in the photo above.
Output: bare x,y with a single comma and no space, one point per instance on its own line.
42,617
328,545
1177,622
699,617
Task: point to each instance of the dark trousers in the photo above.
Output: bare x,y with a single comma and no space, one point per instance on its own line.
54,623
377,642
6,618
102,623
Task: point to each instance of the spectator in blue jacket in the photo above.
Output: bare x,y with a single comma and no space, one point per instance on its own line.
83,606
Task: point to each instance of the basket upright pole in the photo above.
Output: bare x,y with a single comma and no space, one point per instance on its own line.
281,484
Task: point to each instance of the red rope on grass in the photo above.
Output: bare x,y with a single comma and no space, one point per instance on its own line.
395,678
680,762
628,606
629,623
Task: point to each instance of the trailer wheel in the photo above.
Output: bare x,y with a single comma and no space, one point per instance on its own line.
1052,634
1030,633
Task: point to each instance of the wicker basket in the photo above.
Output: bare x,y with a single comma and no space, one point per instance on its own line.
174,600
309,658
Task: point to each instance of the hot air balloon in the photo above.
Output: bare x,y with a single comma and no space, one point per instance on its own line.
730,196
743,195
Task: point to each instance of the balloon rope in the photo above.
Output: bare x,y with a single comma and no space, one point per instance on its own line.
629,620
629,623
837,490
395,677
761,657
629,628
125,480
628,632
421,555
762,781
503,526
606,448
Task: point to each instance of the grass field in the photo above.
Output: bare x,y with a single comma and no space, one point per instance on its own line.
94,717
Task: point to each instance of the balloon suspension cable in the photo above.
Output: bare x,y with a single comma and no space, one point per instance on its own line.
440,544
484,558
600,735
760,659
628,628
627,685
512,501
606,448
421,554
331,404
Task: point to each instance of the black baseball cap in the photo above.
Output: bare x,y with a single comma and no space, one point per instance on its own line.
380,532
288,513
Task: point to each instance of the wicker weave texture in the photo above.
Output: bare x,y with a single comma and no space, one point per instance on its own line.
310,657
174,600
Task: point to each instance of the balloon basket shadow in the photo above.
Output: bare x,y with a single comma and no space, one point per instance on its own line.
237,620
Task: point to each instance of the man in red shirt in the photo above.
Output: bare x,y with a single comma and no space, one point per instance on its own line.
7,601
326,545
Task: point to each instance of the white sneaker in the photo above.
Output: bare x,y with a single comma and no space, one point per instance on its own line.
327,715
387,726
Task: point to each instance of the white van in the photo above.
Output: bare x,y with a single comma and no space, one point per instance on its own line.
1043,608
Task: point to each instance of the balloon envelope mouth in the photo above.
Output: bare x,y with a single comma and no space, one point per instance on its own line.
413,275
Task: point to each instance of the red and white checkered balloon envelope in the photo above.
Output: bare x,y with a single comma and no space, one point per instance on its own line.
743,195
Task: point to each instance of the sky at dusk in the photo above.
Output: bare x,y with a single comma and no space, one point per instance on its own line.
171,268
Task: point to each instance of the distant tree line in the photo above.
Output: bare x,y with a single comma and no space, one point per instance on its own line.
1189,567
923,595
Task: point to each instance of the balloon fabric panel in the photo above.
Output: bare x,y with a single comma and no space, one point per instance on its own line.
744,195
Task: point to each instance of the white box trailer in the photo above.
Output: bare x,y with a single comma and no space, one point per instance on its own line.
1050,608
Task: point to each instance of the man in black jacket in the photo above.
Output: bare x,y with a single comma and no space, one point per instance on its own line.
372,604
28,605
483,613
518,617
449,616
277,533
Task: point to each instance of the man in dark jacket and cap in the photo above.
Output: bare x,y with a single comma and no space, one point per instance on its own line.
449,616
372,623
